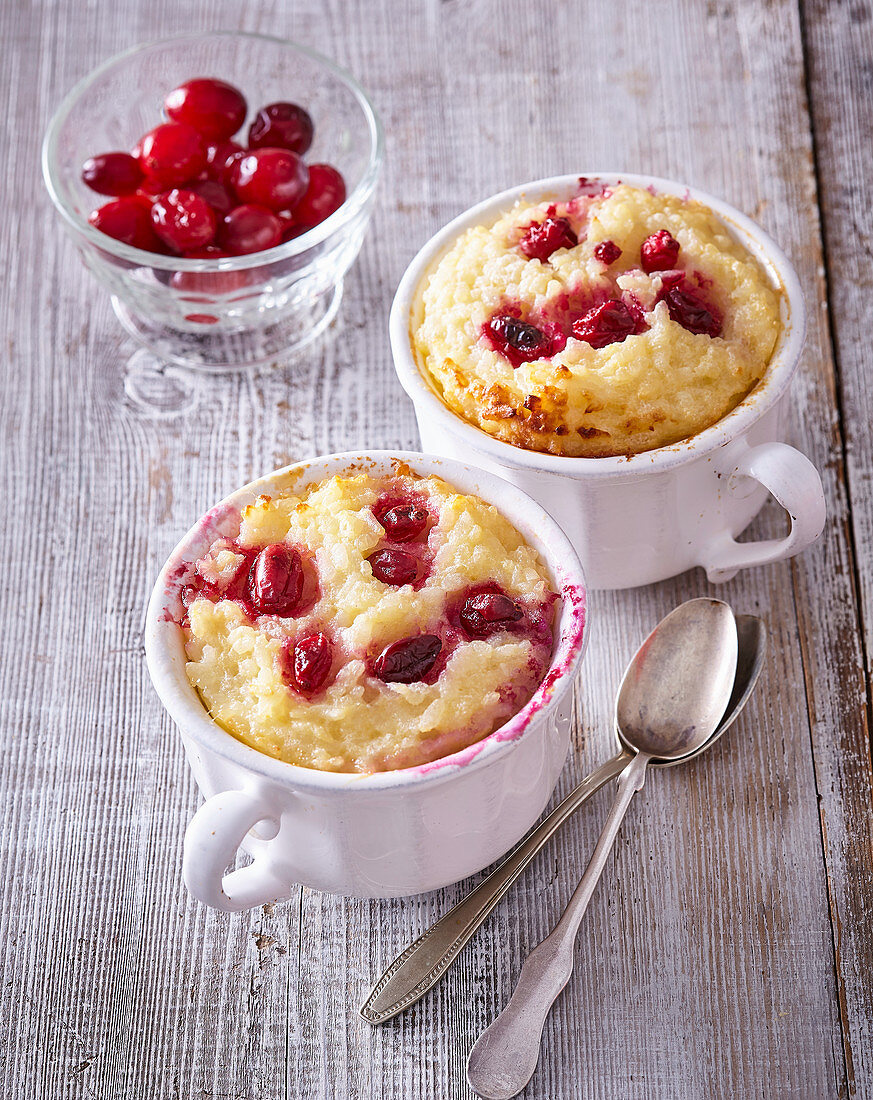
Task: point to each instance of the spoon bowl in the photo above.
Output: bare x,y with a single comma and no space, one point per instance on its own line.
676,687
751,651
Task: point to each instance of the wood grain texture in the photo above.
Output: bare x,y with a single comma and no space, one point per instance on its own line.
839,41
727,951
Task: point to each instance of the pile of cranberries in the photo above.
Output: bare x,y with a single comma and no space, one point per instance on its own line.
281,580
606,322
189,189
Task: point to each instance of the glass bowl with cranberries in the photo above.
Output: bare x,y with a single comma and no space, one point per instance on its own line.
219,186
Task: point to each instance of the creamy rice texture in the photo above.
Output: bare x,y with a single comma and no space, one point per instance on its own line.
239,658
658,384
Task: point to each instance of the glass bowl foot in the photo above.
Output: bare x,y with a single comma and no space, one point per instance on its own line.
210,348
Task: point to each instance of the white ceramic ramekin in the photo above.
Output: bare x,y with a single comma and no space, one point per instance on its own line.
382,835
641,519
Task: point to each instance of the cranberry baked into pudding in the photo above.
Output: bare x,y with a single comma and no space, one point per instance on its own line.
367,623
611,323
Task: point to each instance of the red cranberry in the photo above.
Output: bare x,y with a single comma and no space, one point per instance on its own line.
403,522
687,310
669,279
290,228
310,663
128,219
393,566
408,660
636,311
214,108
519,341
488,613
544,238
220,158
208,284
208,252
215,193
183,220
112,174
172,154
281,126
276,580
659,252
607,252
149,190
609,323
249,229
275,178
325,194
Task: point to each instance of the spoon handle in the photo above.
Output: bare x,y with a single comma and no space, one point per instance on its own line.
420,966
504,1057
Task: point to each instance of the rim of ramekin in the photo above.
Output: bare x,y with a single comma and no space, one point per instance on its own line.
166,660
358,198
766,393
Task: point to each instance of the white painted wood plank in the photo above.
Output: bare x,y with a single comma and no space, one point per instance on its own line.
839,41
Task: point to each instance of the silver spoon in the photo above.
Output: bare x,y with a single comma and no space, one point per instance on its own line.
423,962
669,704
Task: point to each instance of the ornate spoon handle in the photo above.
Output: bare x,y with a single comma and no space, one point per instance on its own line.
505,1055
421,965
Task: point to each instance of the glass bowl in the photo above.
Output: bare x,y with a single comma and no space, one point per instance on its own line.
237,311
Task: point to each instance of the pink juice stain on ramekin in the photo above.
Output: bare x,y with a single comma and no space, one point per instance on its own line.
211,526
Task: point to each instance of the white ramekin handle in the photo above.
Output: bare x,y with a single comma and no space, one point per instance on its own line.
212,840
795,483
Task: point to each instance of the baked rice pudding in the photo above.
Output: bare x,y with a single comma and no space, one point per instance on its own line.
367,623
612,323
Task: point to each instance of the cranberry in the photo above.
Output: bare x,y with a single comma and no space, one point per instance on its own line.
112,174
403,522
408,660
208,284
215,193
249,229
183,220
128,219
687,310
519,341
544,238
487,613
276,580
393,566
659,252
636,311
290,228
275,178
214,108
172,154
325,194
607,252
220,158
281,126
208,252
609,323
669,279
310,660
149,190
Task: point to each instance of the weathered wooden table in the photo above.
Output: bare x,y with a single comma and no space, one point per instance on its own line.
728,950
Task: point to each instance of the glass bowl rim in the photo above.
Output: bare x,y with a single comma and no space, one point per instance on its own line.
140,258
